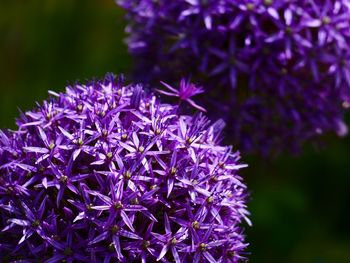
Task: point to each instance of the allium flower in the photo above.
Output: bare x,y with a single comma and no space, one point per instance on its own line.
276,70
107,173
185,92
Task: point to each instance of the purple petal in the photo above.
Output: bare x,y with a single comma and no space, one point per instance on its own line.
127,220
36,149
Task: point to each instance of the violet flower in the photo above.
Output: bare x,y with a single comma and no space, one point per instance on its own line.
276,71
106,172
185,92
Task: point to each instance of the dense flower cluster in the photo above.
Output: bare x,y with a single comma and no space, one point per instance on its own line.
105,172
277,70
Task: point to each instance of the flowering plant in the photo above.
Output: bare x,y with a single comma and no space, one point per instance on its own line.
105,172
277,71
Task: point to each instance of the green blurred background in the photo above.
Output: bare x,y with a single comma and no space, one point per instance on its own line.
300,205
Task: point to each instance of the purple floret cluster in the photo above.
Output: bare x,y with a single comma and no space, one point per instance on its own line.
107,173
278,71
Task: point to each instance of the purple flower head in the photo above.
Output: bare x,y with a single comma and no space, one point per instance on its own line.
277,71
106,172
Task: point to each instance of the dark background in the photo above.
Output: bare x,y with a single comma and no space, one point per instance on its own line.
300,205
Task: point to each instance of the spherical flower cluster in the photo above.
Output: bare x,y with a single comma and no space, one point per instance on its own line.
278,71
107,173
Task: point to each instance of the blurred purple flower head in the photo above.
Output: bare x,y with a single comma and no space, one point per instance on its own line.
105,172
277,71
